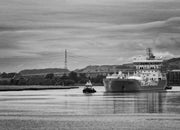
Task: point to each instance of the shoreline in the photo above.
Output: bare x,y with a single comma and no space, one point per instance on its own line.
34,87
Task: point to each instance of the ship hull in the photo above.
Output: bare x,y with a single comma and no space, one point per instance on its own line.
131,85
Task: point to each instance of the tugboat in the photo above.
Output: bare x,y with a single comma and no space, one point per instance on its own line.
168,87
88,88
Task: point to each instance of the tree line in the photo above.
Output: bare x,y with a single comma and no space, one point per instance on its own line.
49,79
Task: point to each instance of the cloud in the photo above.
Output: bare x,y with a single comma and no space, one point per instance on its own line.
98,43
171,25
165,55
168,42
107,32
160,35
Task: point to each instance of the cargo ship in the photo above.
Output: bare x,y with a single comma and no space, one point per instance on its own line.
148,75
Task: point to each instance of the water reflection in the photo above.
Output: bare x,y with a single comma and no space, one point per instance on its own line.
74,102
136,102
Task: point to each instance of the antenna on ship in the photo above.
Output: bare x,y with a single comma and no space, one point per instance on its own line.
65,60
149,54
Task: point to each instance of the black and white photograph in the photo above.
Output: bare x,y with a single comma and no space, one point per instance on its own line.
89,64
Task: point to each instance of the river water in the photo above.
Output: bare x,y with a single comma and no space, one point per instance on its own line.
72,102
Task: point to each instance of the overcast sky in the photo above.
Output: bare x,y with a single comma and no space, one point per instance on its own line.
35,33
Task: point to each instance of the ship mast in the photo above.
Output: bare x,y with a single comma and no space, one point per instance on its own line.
149,53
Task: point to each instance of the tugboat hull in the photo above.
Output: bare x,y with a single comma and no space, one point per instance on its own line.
89,90
131,85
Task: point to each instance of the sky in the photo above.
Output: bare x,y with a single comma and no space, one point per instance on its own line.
35,33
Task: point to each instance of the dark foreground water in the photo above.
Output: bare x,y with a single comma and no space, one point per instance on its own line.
71,109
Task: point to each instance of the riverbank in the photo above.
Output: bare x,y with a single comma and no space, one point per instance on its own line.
35,87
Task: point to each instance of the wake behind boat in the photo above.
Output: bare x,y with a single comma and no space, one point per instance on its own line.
147,76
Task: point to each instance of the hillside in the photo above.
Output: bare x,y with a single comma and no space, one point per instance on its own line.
43,71
173,63
104,68
170,64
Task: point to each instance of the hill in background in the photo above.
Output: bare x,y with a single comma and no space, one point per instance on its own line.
170,64
44,71
173,63
104,68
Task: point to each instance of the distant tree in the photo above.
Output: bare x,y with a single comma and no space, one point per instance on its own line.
4,75
4,82
22,81
82,79
48,82
14,82
35,80
64,77
82,75
68,82
11,75
57,80
73,76
49,76
98,79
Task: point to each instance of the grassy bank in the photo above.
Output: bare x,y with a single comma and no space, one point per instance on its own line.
35,87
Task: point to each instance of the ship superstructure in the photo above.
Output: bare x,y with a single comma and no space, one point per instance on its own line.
148,75
149,69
